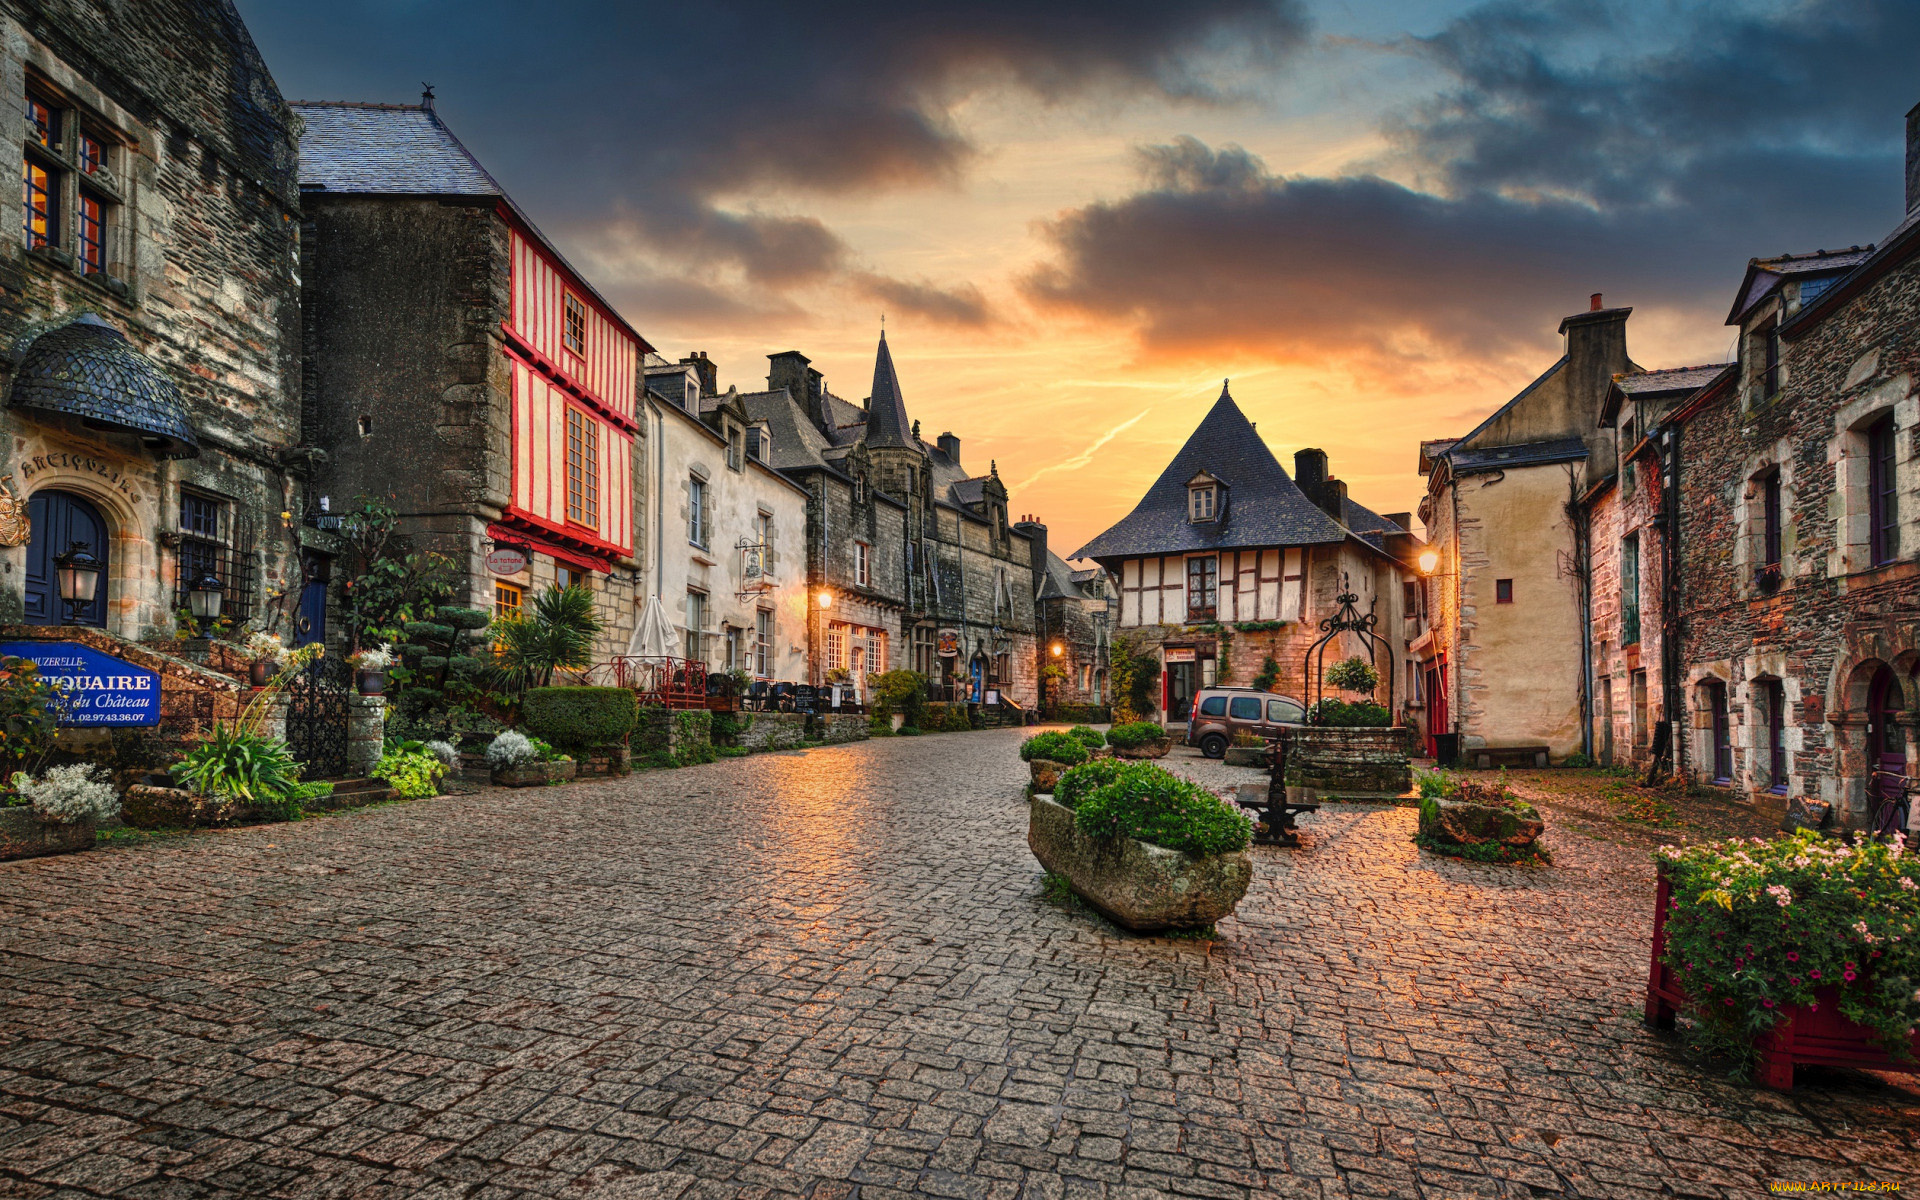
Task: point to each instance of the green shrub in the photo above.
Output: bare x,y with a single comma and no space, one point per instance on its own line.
902,693
879,726
956,720
1435,785
1268,674
239,764
1054,747
28,719
580,717
1077,783
1361,714
1134,735
1157,806
1578,761
1088,734
907,731
412,769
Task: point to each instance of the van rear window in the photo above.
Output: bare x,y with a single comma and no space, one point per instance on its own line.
1246,708
1214,706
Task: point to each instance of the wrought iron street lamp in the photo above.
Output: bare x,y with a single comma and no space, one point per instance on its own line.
204,596
824,599
1429,561
77,573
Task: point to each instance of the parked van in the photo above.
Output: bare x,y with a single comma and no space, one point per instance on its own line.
1220,712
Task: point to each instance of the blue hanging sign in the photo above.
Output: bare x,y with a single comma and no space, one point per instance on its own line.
96,688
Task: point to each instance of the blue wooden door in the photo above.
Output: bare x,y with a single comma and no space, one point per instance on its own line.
311,625
59,520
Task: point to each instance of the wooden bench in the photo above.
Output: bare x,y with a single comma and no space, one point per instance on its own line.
1488,757
1277,816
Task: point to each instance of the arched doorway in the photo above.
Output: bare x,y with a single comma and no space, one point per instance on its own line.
1886,743
59,520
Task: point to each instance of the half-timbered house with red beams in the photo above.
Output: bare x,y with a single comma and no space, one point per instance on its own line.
459,367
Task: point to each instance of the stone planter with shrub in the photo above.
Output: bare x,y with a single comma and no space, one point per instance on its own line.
517,760
1139,739
536,774
1150,850
24,835
1048,754
57,813
1487,822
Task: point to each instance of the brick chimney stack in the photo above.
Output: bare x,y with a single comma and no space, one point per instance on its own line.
950,446
1593,303
709,374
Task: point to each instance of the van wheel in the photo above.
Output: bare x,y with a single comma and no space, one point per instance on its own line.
1213,746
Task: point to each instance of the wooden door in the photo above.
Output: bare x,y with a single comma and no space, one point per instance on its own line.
60,520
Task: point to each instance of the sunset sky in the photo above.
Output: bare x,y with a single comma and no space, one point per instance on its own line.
1079,216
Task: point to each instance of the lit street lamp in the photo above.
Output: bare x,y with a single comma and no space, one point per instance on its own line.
204,597
1429,561
78,574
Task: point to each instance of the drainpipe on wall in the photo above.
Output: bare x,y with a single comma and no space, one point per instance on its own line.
1583,559
1456,673
1671,699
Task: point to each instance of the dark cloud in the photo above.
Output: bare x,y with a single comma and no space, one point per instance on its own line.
653,114
1563,158
963,305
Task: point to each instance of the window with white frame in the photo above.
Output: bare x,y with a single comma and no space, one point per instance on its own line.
862,564
1201,502
696,623
763,642
697,511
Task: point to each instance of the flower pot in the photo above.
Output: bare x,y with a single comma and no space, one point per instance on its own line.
1139,885
1803,1037
24,835
536,774
370,683
260,672
1246,756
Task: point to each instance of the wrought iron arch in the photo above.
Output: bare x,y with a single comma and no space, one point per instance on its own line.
1346,619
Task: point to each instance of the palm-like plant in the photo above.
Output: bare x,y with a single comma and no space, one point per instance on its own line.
527,650
238,763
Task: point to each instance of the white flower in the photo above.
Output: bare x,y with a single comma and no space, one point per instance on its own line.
265,647
445,752
377,658
69,794
510,749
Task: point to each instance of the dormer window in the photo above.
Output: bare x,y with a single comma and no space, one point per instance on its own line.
1204,494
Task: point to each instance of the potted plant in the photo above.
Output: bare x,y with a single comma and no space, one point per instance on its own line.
517,760
1486,822
370,668
1147,848
1139,739
57,813
1800,950
1048,754
1248,750
263,651
1093,739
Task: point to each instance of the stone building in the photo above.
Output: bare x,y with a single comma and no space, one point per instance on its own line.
728,545
1798,527
149,315
1628,568
911,561
1504,664
458,366
1226,561
1074,639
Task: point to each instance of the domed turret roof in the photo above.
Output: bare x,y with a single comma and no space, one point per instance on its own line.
87,369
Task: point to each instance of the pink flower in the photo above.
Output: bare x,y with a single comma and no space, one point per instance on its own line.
1767,1003
1729,999
1849,977
1813,974
1793,956
1794,979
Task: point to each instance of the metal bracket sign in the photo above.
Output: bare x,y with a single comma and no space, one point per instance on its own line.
508,558
95,688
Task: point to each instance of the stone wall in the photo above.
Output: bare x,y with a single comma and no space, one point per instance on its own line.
771,731
366,733
1628,696
835,728
1835,618
1332,763
200,277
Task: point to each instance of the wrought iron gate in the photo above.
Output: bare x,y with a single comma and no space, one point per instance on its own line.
318,710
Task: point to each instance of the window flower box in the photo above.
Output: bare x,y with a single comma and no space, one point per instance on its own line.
1813,1033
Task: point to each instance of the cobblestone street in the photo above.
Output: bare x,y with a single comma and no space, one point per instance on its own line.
833,973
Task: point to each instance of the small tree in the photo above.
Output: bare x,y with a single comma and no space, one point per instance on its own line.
1134,673
559,635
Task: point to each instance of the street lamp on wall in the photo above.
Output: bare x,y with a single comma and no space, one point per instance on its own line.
1058,649
1429,561
78,575
204,597
824,598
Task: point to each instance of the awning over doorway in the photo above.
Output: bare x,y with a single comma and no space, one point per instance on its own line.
87,369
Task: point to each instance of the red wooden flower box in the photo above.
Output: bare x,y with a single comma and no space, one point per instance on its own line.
1819,1037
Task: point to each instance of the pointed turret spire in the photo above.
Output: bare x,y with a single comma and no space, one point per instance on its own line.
887,422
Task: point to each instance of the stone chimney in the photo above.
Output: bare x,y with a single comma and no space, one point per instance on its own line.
1037,540
1310,472
709,374
788,369
1913,158
950,446
1596,352
1403,520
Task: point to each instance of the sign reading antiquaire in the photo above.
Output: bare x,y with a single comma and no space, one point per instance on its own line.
99,689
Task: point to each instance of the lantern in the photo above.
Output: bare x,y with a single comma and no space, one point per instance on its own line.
204,596
78,575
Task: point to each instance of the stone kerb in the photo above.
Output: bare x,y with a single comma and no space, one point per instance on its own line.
1325,762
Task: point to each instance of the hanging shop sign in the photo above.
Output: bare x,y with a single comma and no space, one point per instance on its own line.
96,688
1174,656
507,559
947,642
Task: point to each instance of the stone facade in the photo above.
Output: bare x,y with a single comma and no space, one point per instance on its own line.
428,379
1327,762
1504,664
188,160
1074,638
1799,672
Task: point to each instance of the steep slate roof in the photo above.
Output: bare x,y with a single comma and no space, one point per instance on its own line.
1368,525
968,491
1893,249
887,423
796,442
1766,274
362,149
1530,454
1059,579
1264,506
1669,379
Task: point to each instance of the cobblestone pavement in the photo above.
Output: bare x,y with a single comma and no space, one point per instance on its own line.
834,974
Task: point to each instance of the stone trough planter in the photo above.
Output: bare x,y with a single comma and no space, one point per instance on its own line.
1466,823
25,835
1247,756
1139,885
1046,773
1159,749
537,774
